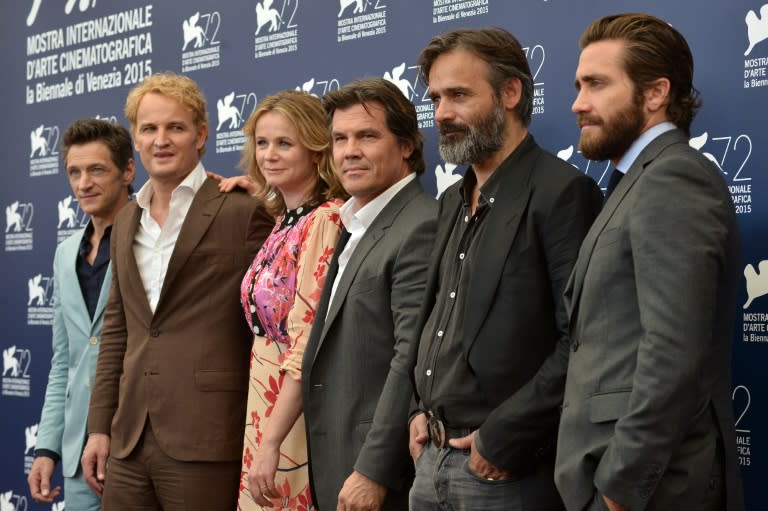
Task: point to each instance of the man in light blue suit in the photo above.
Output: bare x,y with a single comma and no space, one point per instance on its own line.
98,159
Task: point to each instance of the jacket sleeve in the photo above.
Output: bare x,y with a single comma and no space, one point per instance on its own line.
51,429
384,454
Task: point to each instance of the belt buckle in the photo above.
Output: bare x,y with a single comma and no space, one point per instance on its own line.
436,431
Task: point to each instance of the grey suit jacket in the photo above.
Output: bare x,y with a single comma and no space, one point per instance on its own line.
651,303
73,366
356,371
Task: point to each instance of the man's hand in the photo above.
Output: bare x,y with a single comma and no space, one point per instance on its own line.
418,436
613,505
361,494
40,480
477,463
94,461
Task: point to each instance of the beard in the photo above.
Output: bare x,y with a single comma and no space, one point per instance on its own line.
464,144
615,135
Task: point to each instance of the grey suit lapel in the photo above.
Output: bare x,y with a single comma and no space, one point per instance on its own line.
576,281
369,240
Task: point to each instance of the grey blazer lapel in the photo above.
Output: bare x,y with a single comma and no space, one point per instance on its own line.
613,204
369,240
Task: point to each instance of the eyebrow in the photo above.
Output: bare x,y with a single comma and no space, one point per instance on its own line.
587,79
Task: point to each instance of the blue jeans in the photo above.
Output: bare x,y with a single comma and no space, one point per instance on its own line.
445,482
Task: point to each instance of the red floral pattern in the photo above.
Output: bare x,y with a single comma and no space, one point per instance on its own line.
282,289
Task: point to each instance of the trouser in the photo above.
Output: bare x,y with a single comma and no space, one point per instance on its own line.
150,480
445,482
78,495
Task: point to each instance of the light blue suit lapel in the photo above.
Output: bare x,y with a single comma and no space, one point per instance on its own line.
103,296
70,293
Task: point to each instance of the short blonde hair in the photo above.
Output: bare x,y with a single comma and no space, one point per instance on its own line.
179,87
306,113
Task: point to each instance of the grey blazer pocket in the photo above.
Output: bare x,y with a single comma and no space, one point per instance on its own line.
363,427
208,380
608,406
608,237
364,285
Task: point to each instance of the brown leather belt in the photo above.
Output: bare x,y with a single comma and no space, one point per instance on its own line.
439,433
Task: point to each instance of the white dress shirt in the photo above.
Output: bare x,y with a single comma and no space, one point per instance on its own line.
153,246
357,219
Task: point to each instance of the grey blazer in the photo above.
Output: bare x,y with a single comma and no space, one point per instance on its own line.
356,371
651,304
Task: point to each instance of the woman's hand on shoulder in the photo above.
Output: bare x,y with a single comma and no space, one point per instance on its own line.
227,184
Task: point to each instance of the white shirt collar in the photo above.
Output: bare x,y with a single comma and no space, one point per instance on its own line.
193,182
366,214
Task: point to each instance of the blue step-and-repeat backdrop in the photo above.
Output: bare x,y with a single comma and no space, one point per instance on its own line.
67,59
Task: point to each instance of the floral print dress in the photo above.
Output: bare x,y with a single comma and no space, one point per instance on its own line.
280,293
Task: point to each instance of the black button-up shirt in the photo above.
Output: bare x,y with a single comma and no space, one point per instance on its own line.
91,276
445,383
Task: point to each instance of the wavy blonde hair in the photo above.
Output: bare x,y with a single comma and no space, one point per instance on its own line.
306,113
179,87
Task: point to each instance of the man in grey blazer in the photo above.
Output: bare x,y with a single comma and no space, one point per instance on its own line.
647,422
355,375
98,161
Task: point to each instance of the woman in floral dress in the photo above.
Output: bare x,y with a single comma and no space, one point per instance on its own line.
287,156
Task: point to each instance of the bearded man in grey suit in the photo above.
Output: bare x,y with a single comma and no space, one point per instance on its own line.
355,375
647,420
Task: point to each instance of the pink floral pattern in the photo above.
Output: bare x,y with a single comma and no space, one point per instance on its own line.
279,294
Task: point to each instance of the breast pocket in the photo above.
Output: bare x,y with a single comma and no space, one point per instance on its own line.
608,237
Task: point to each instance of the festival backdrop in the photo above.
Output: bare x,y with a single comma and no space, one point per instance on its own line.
68,59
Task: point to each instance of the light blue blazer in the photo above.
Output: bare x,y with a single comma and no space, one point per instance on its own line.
75,349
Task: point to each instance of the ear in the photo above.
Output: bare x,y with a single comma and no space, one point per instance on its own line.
511,91
657,95
407,148
202,136
129,173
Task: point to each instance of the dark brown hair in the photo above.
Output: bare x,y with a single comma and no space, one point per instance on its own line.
113,136
653,49
400,114
498,48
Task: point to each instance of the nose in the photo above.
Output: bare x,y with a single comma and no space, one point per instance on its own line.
161,137
270,153
84,181
443,111
580,103
351,148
